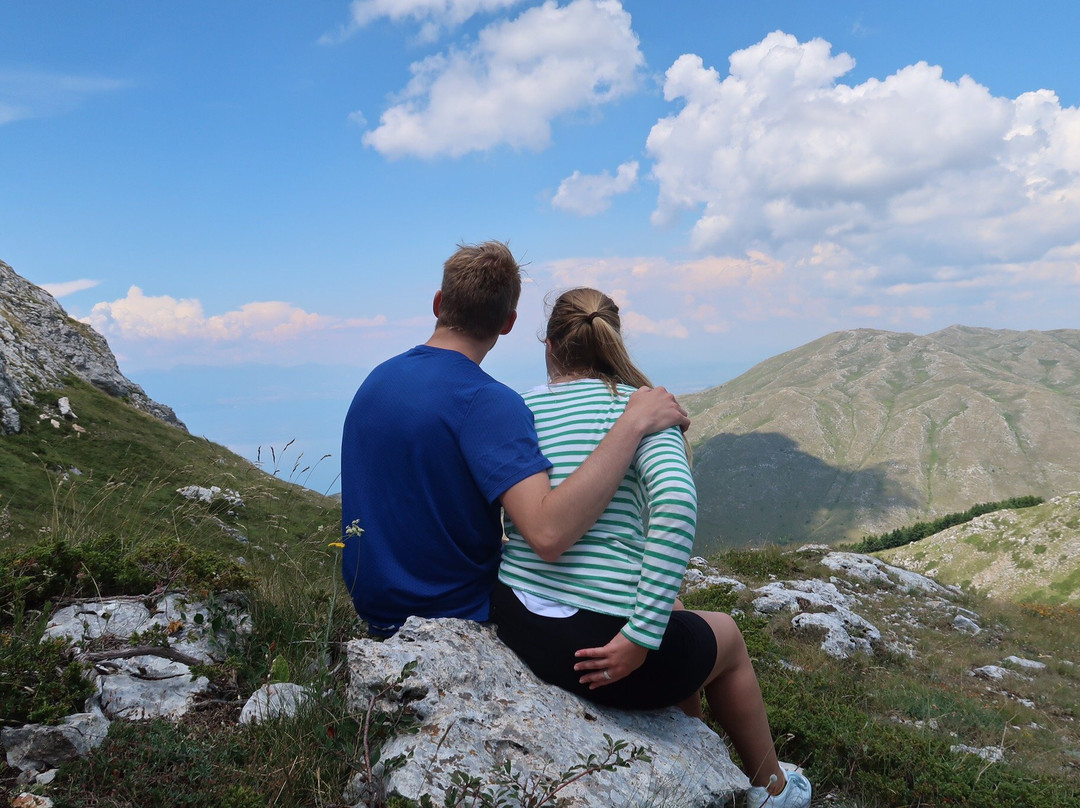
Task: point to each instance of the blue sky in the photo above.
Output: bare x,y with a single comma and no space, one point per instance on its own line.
252,201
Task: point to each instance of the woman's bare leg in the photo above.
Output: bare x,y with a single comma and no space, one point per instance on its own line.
734,698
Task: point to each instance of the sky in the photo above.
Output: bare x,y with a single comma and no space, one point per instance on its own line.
252,201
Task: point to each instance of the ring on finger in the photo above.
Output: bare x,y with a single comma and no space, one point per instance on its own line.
607,674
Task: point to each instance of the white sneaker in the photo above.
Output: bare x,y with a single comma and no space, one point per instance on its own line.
796,794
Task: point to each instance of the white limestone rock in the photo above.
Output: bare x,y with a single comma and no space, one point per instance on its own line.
28,800
278,700
198,493
992,754
39,748
701,574
846,633
89,621
190,624
478,706
993,672
796,596
966,625
40,345
820,606
1028,664
63,404
874,570
148,686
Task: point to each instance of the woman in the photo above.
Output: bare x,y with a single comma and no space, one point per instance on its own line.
603,620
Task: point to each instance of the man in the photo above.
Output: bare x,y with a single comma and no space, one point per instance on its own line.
433,446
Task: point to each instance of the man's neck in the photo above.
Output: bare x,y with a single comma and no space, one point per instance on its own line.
451,340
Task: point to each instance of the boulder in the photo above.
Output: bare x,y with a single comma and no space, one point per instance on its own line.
478,708
701,574
966,625
190,624
148,686
36,747
823,608
874,570
278,700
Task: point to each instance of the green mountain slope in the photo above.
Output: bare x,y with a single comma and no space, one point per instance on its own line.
1028,555
864,431
115,472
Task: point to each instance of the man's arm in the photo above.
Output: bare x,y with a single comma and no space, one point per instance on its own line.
552,519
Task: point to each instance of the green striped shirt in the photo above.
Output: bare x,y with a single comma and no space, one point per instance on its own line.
631,562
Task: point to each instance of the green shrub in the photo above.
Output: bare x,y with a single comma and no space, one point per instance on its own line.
40,683
103,566
920,530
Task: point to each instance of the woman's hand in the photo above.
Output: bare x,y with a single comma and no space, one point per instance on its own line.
615,661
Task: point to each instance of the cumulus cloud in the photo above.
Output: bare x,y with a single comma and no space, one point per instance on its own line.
139,317
65,288
433,16
636,323
590,194
508,86
894,177
33,94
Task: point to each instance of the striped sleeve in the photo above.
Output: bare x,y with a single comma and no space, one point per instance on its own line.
672,507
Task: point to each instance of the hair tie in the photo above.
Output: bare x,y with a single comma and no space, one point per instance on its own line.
592,315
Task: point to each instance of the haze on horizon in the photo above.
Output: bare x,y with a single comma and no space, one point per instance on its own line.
253,203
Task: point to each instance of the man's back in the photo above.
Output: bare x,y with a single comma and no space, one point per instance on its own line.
430,444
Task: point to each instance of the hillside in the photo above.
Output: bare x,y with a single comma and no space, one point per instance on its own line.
864,431
112,466
41,347
1028,555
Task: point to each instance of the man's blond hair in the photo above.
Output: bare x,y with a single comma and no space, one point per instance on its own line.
481,285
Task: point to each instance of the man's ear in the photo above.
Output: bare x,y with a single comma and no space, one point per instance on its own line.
509,323
436,304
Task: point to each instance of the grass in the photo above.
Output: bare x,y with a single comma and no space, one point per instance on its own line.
876,731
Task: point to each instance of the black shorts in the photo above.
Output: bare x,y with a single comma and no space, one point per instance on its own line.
670,674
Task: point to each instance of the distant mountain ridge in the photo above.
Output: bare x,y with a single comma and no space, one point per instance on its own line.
40,345
864,431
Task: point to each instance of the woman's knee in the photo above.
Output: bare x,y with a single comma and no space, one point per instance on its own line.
730,645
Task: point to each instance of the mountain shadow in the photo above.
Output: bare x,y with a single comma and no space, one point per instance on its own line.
759,487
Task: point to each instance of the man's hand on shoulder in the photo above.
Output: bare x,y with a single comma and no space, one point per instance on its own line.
652,409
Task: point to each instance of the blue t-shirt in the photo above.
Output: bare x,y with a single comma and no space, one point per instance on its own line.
430,444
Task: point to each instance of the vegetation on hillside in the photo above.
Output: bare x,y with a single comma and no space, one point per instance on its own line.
920,530
865,431
876,732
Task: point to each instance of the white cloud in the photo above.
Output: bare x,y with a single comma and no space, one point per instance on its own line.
162,317
892,177
636,323
510,84
160,331
590,194
65,288
433,16
31,94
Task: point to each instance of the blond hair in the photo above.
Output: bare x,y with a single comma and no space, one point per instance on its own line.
481,285
584,336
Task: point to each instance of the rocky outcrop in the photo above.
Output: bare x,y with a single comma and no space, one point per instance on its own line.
478,706
155,642
40,345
